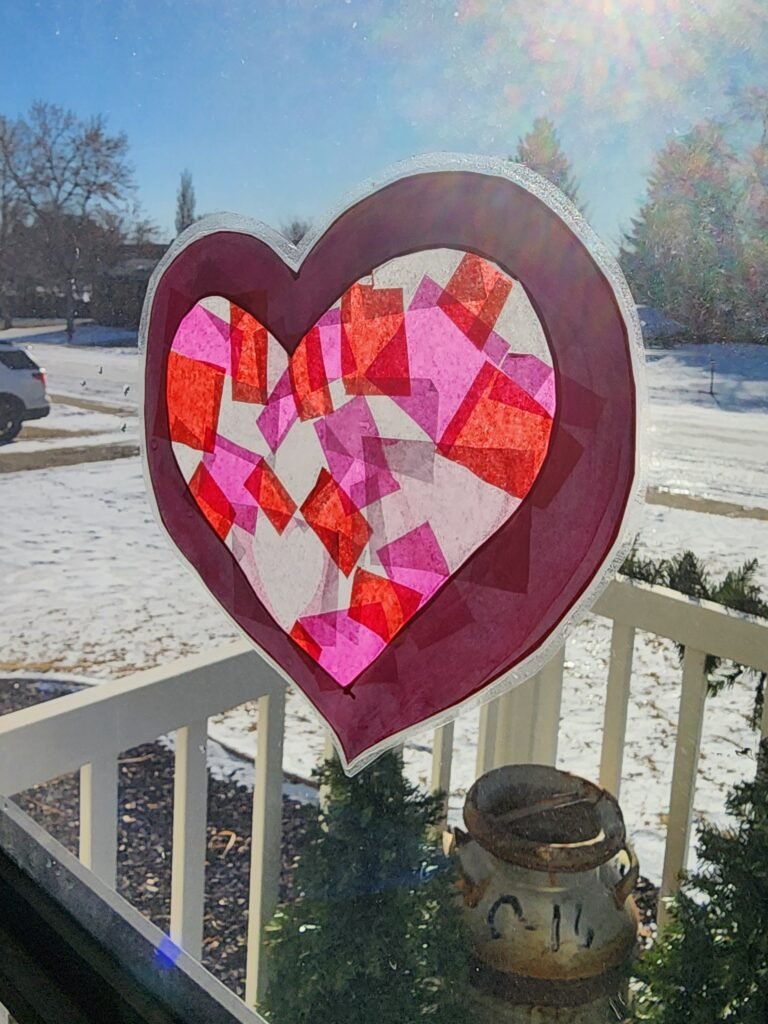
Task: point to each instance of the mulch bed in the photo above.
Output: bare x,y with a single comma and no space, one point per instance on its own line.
646,896
145,824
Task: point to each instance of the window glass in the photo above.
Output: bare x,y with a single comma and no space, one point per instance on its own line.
124,125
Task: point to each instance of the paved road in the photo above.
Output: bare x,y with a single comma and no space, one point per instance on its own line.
51,458
95,405
693,503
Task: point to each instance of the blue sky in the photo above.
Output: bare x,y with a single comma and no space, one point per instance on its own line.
279,108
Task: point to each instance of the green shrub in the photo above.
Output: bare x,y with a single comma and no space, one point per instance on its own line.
711,964
738,589
375,933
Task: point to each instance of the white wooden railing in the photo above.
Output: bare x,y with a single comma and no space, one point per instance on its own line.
523,725
89,729
86,731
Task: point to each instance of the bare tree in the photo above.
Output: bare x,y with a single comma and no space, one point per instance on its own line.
73,177
11,227
295,229
142,233
185,203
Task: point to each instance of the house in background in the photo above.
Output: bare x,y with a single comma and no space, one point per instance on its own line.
118,293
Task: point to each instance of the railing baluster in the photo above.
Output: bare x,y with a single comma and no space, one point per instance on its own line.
266,839
442,760
522,725
546,730
486,737
514,732
689,725
98,817
190,805
616,705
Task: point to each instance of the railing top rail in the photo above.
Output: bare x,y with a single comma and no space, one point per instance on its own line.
59,736
51,739
702,625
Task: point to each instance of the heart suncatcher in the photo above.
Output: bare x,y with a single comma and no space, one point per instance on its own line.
400,460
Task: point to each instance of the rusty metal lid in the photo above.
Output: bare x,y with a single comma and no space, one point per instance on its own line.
544,819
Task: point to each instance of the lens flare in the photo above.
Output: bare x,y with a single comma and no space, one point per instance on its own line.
611,62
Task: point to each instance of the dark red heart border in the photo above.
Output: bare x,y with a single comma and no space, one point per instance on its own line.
486,619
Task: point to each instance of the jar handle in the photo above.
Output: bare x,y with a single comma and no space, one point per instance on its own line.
627,882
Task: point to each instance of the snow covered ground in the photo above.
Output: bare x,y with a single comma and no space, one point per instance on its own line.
84,370
711,446
87,532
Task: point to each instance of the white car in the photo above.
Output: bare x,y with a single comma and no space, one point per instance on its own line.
22,390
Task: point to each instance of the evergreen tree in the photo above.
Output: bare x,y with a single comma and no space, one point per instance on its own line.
540,150
295,229
375,933
751,108
684,253
711,964
185,203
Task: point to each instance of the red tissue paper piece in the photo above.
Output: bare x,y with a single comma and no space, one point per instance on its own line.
249,358
271,496
211,501
374,357
341,526
499,432
474,297
194,394
381,605
308,379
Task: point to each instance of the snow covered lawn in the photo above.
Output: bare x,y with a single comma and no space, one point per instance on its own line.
65,418
87,532
93,587
714,447
104,370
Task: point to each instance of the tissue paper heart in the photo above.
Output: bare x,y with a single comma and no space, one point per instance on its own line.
352,479
399,462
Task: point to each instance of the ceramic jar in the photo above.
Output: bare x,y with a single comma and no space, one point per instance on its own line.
546,876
